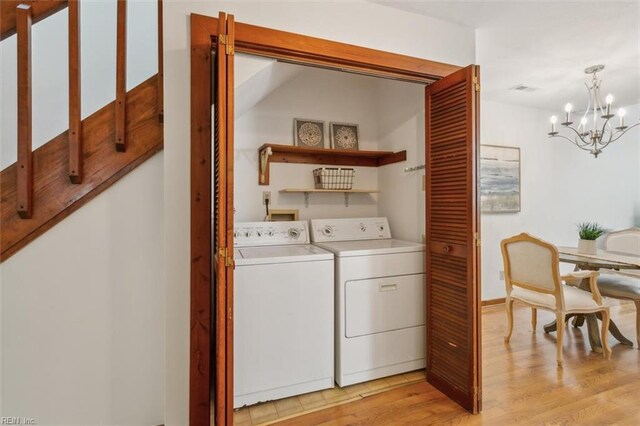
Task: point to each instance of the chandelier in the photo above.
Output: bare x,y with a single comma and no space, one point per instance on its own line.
600,134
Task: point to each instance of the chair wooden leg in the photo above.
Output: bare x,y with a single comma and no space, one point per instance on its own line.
559,336
534,319
638,322
606,350
509,305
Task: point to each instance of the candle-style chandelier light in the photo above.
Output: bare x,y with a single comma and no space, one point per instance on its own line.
602,133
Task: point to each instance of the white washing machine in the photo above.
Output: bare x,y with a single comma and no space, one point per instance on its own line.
283,313
380,298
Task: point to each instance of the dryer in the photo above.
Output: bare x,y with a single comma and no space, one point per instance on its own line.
283,313
380,298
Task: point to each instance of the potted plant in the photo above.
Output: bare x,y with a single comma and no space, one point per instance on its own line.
589,233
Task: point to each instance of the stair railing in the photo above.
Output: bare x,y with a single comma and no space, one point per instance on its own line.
26,14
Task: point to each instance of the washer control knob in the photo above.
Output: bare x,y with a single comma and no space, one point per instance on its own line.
248,234
271,233
259,233
294,233
381,228
363,227
327,230
236,234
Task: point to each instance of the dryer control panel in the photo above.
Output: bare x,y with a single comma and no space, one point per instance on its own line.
349,229
250,234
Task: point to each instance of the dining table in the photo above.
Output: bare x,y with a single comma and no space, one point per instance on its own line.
602,259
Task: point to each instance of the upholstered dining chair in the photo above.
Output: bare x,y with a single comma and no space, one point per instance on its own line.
625,283
532,276
626,241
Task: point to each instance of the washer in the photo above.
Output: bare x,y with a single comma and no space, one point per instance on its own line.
284,313
380,298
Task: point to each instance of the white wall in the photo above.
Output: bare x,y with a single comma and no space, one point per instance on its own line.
401,127
561,185
82,313
359,23
82,307
318,94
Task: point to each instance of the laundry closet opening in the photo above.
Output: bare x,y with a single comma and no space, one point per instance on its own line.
329,283
223,198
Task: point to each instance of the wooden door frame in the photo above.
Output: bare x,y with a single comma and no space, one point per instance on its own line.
287,47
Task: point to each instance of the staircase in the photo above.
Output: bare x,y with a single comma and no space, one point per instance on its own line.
48,184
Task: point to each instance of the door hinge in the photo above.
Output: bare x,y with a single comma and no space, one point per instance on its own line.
476,236
228,44
223,253
476,83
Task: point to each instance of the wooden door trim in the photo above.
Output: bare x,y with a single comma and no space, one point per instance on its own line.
283,46
202,31
308,50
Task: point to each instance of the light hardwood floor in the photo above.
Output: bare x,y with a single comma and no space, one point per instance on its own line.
522,385
272,412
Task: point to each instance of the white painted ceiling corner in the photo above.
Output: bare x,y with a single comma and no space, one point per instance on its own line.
546,45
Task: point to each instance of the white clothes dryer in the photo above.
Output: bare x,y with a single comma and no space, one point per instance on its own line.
380,298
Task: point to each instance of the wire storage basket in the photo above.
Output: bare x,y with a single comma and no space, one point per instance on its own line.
333,178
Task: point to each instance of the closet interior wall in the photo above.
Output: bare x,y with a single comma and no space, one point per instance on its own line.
389,115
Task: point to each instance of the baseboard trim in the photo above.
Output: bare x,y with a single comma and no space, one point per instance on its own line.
493,301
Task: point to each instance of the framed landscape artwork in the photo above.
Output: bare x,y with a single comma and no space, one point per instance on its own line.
308,133
499,179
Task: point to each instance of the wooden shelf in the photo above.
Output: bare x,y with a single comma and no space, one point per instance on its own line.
332,157
347,192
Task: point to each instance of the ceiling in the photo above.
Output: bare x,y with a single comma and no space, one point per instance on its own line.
546,45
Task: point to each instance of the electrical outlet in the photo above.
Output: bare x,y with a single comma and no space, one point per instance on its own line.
501,275
266,196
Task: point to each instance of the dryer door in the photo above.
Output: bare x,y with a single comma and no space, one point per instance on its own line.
384,304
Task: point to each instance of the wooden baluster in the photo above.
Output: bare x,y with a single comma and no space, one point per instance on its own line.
25,164
40,9
121,76
75,114
160,65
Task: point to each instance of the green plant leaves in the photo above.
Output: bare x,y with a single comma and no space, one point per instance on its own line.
590,230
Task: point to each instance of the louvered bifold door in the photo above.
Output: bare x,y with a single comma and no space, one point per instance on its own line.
223,220
230,117
219,233
452,222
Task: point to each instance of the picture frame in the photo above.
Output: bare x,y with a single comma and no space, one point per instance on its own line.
344,136
500,179
308,133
